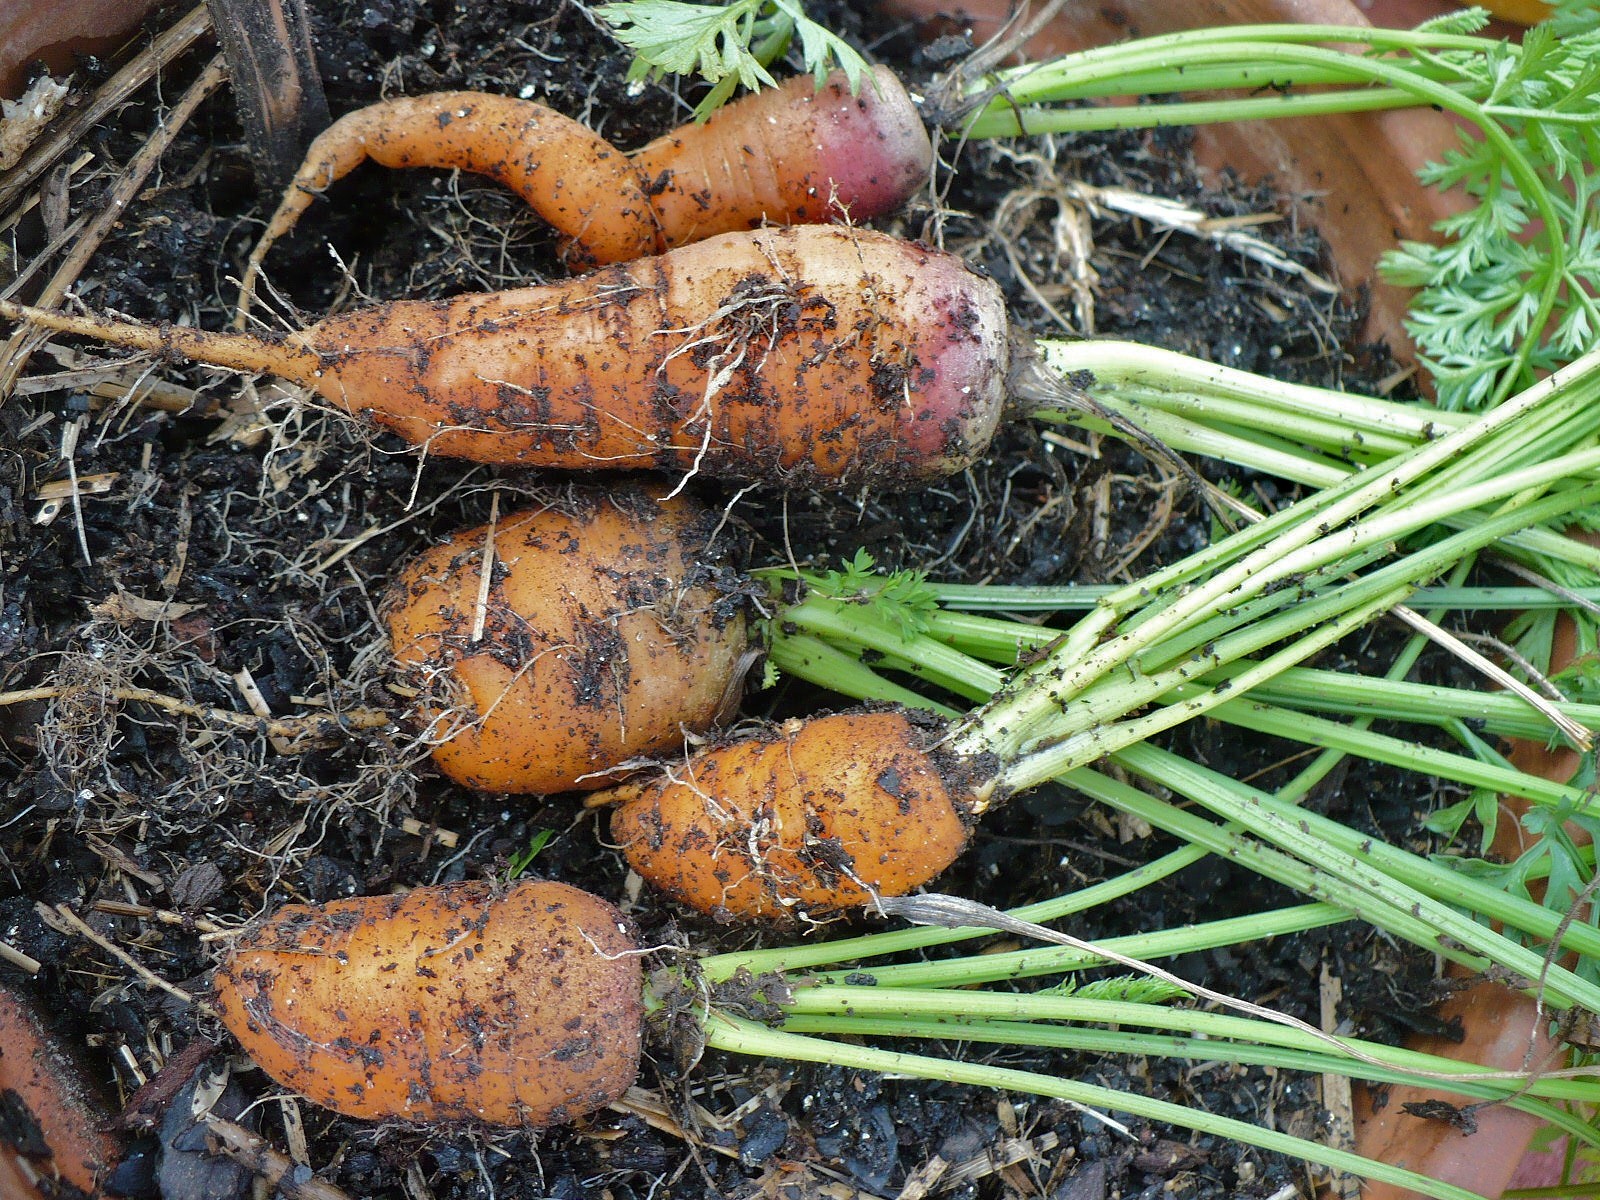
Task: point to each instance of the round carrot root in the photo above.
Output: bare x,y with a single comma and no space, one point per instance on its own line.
810,817
791,155
804,356
603,637
453,1003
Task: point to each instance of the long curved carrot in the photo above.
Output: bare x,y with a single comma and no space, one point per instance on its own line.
568,174
797,153
803,355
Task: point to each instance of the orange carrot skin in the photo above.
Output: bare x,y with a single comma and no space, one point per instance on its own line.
790,154
466,1002
793,154
798,356
814,816
571,176
604,639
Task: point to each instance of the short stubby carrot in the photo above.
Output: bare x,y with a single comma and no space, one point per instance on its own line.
811,816
472,1003
600,635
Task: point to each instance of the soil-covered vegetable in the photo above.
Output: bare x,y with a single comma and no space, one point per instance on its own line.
792,355
601,635
466,1002
229,505
812,815
793,154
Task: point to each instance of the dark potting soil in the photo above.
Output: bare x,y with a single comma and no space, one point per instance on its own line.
252,533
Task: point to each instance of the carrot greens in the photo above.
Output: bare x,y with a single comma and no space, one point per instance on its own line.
727,45
1510,289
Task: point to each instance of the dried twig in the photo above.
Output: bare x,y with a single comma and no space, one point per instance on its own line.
63,920
165,916
480,612
23,962
306,725
22,343
1456,644
278,1170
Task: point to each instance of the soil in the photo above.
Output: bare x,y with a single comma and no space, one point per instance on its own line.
253,533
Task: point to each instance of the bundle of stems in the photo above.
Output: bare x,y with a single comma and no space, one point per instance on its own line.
1309,435
1221,633
833,1016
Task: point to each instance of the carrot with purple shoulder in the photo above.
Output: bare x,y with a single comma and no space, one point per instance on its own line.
795,154
798,355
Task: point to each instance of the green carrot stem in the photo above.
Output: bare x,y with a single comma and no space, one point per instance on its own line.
1209,1049
1181,384
1301,833
1030,766
1302,537
1502,714
874,945
1252,712
1437,880
1009,115
958,1005
962,599
735,1034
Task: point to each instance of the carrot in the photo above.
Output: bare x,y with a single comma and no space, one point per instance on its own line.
601,637
830,813
792,154
462,1002
801,355
59,1139
811,816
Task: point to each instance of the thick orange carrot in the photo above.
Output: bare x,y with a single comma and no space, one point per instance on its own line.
793,154
813,816
465,1002
60,1138
600,638
797,355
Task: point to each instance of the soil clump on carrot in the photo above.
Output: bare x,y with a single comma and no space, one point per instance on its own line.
235,560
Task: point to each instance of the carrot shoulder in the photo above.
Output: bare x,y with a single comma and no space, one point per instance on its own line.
794,154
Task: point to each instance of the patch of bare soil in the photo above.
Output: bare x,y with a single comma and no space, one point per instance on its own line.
233,560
